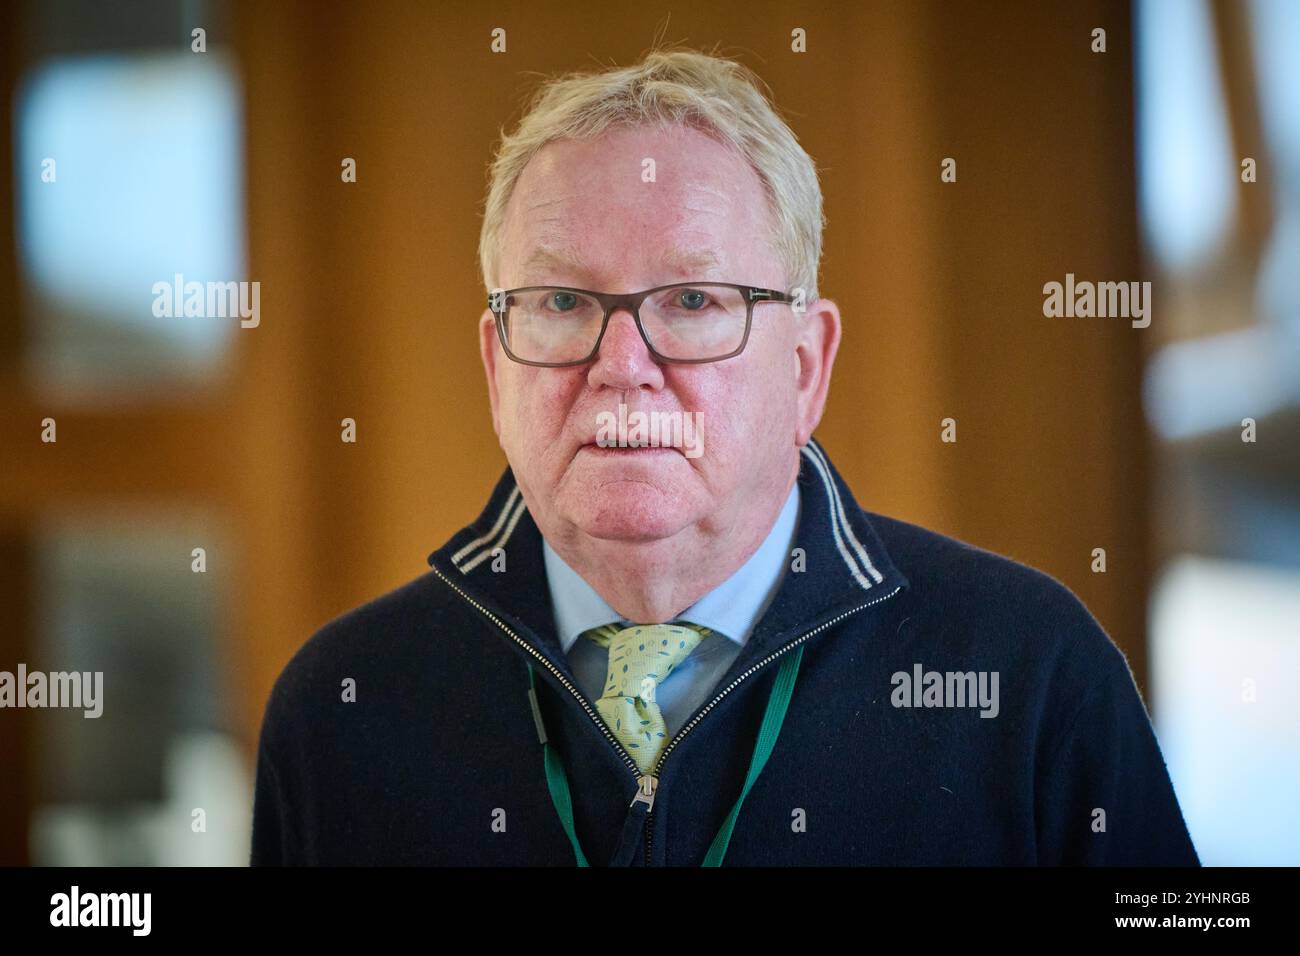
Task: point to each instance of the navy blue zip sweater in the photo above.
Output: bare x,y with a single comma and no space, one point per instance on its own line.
438,760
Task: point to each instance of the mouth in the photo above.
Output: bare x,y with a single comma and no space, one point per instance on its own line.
607,451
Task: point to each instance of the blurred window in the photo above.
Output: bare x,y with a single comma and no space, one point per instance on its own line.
146,153
1224,367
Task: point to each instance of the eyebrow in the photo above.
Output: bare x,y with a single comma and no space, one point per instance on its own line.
548,258
566,259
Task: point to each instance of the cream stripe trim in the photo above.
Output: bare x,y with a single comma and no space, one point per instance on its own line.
483,555
831,496
848,528
496,527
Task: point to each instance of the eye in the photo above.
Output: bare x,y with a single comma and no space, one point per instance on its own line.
564,301
693,299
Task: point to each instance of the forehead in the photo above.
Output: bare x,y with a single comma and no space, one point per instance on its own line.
643,202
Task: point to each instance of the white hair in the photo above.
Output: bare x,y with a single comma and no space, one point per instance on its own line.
717,96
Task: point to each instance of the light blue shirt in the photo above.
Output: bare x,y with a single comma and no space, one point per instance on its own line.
731,610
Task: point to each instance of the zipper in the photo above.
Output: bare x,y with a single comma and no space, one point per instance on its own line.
649,829
577,695
648,783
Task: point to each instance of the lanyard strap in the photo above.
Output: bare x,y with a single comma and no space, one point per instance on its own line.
557,781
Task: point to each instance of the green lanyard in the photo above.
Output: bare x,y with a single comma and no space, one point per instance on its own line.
557,780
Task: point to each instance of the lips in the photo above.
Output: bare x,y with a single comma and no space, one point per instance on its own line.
642,430
641,449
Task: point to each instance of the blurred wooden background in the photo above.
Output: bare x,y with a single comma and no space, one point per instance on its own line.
370,293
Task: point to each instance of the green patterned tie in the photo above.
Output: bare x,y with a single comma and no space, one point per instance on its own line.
640,659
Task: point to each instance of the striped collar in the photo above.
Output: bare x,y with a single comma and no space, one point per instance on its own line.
838,563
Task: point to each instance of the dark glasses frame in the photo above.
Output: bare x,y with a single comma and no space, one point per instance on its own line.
631,301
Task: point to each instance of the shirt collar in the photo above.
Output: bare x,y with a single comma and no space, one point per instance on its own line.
731,609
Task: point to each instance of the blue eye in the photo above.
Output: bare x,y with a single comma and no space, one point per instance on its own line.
564,300
693,299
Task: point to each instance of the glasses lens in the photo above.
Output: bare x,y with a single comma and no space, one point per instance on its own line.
552,325
700,321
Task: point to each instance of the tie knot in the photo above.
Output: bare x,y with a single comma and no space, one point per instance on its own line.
664,635
643,655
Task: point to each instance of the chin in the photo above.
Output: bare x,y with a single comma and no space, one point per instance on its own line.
630,510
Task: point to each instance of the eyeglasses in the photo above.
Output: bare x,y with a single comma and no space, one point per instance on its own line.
686,322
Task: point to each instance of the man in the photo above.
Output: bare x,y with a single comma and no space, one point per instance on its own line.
688,644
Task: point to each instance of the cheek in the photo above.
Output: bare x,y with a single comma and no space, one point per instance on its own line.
732,413
767,402
533,407
515,406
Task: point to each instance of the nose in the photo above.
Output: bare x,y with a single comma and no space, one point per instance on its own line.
624,361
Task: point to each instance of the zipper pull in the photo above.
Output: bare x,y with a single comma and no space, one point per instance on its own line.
632,839
645,791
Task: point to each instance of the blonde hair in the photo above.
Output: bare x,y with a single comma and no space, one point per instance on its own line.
718,96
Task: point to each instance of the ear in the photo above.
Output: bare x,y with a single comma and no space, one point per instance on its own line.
819,341
489,351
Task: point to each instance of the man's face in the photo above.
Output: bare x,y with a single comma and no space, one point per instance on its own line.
589,198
